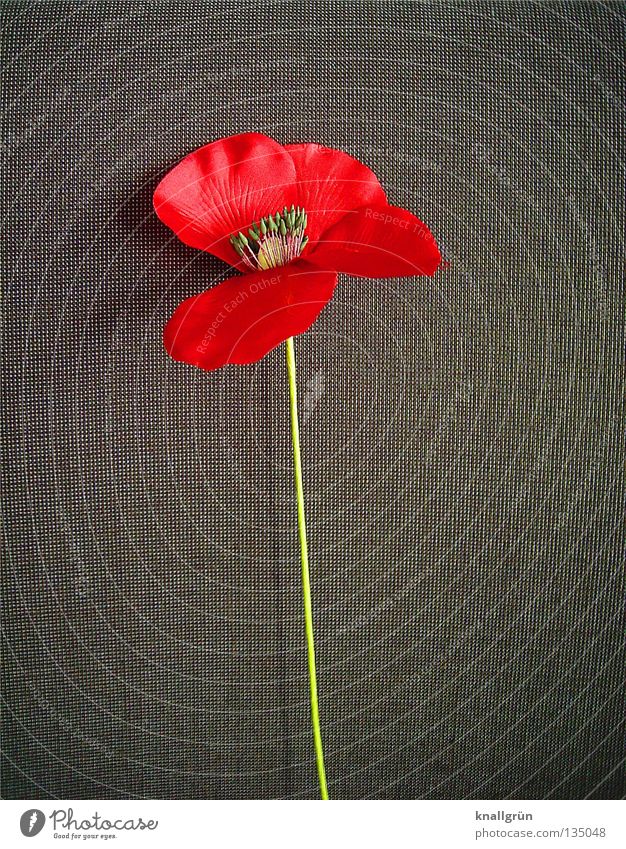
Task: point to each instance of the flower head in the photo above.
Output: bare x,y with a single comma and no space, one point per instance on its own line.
290,217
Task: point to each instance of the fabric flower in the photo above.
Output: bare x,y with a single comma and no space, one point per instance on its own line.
289,217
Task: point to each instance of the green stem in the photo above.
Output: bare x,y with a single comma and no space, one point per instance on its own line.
304,556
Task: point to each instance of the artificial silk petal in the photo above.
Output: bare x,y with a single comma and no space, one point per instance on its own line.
378,241
244,317
222,188
330,183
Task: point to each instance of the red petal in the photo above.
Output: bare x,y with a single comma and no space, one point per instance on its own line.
222,188
243,318
331,183
378,241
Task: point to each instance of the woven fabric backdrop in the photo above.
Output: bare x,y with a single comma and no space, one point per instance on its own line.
461,434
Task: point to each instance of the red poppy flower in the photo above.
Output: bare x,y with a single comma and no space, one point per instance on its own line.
290,217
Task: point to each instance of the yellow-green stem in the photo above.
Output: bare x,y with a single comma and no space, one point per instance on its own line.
304,557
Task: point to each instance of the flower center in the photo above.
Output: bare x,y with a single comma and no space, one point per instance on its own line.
274,240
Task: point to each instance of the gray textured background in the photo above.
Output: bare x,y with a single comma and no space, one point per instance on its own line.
461,435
